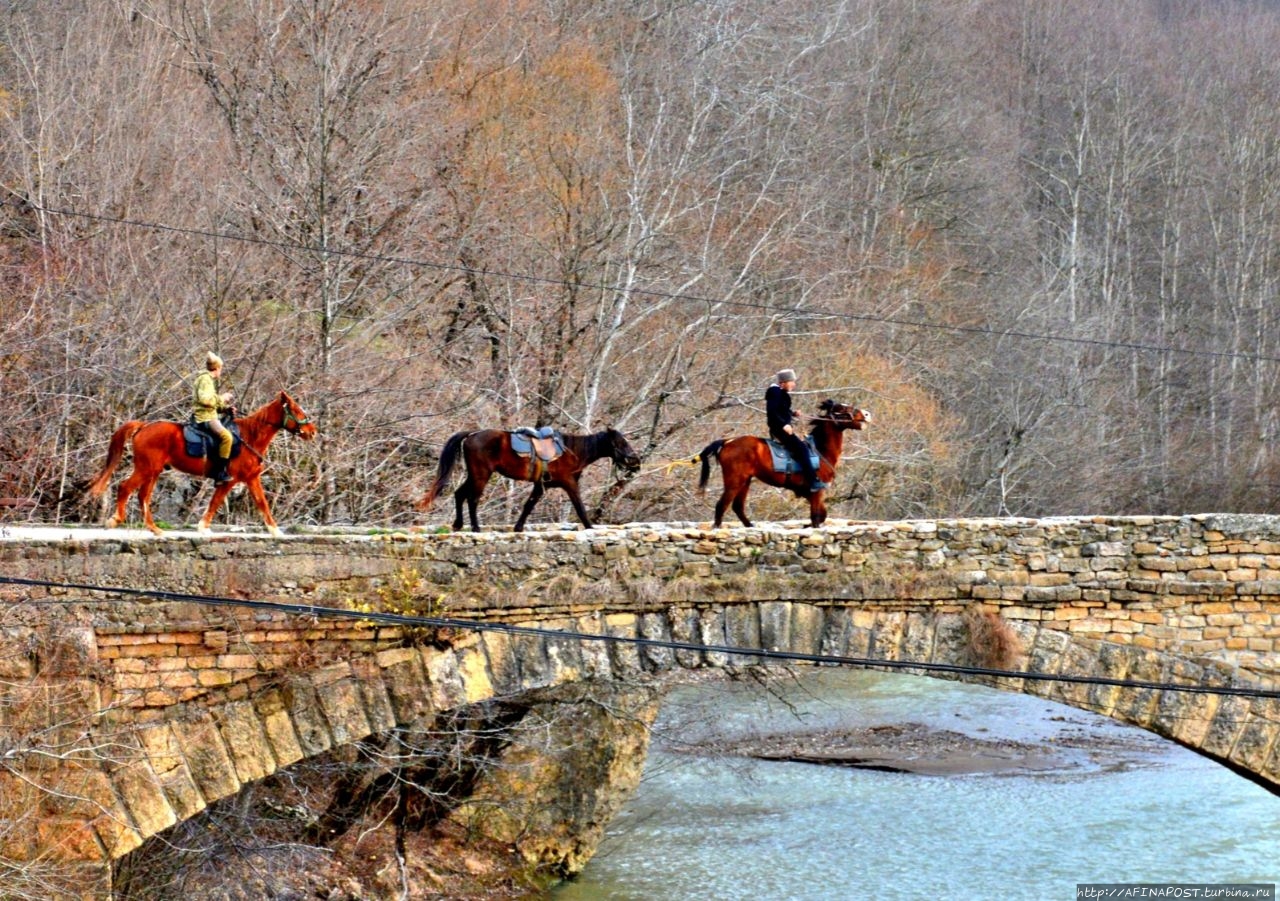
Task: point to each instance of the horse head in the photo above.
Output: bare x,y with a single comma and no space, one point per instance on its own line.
844,416
294,419
621,452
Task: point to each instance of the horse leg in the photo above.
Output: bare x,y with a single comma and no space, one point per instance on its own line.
219,494
144,501
122,501
817,509
740,503
721,506
458,497
534,497
571,489
259,496
127,487
469,491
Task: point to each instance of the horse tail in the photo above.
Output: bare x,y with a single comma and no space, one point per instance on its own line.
448,458
115,452
711,450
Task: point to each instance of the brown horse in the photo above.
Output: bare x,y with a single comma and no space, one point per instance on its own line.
157,445
489,450
747,457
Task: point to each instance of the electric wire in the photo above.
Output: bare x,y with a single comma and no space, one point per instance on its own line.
683,297
438,622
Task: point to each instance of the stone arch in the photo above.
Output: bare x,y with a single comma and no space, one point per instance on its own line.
1240,732
201,754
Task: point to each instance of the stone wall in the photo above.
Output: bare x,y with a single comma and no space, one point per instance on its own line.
1197,586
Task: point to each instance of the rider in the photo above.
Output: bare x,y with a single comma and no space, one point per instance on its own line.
777,405
207,404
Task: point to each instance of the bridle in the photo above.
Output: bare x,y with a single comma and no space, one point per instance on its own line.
290,421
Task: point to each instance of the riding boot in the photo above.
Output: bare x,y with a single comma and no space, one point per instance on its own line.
815,484
218,472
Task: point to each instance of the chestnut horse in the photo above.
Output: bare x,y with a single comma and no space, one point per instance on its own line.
747,457
489,450
157,445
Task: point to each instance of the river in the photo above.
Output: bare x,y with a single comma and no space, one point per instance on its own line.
1054,797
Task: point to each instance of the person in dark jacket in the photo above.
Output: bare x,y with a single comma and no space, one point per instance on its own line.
778,412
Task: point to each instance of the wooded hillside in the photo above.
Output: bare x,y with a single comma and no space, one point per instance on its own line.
1037,239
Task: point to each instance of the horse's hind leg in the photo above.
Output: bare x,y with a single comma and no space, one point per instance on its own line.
458,498
469,492
126,488
740,504
721,506
735,493
534,497
144,500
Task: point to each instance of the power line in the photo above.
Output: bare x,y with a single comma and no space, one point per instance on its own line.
651,292
437,622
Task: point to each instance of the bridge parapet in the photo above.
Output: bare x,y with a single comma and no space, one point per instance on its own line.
1198,586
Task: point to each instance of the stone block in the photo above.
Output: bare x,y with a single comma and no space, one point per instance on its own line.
342,705
207,758
806,628
309,724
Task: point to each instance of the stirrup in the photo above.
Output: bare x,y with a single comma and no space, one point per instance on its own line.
818,485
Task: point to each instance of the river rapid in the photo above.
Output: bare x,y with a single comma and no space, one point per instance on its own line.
1004,796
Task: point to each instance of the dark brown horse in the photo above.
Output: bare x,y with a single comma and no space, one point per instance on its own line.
157,445
489,450
747,457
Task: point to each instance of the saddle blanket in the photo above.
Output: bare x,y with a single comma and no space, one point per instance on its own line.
784,462
548,441
199,443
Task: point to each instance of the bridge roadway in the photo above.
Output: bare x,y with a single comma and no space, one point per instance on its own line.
210,698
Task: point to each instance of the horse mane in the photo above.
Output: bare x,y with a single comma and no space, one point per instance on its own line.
824,420
583,446
261,415
261,425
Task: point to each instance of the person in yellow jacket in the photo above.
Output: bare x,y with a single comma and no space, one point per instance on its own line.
206,405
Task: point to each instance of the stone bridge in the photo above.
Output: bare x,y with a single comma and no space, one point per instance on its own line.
124,714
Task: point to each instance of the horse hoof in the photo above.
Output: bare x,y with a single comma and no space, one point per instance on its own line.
112,523
155,530
203,529
275,532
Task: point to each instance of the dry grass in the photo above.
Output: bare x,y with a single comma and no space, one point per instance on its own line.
992,643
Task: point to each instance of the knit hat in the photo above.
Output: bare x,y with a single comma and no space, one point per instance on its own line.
212,361
785,375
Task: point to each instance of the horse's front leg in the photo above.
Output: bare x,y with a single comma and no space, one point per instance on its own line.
259,496
817,509
571,489
534,497
219,495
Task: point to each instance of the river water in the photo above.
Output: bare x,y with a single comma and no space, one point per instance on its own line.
1105,803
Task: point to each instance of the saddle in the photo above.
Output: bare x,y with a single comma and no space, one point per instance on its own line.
541,446
784,462
199,441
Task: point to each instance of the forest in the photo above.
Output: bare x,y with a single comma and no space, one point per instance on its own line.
1037,239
